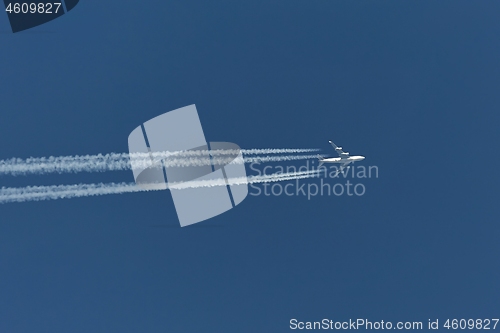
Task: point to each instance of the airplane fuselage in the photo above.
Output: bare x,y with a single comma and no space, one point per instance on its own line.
349,159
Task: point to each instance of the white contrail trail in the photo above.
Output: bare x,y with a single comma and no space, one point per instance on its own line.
122,161
277,177
201,161
38,193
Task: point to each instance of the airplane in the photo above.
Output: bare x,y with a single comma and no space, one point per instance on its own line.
343,160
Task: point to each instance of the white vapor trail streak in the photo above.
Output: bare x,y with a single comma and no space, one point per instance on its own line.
200,161
122,161
38,193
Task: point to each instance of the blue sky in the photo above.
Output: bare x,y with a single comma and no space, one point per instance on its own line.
413,86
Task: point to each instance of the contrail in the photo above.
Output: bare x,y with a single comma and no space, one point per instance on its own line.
277,177
39,193
201,161
123,161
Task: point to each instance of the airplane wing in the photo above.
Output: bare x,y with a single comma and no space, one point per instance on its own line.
341,168
339,150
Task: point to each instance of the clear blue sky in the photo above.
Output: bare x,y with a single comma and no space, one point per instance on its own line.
413,86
